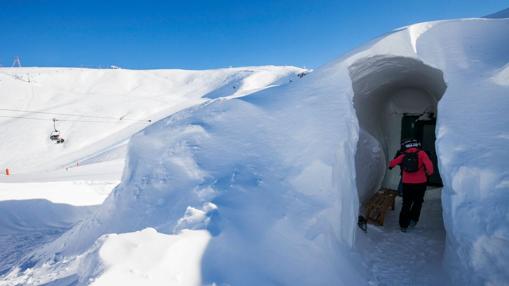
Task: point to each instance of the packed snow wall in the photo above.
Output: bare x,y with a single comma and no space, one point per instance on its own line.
385,88
471,135
472,57
272,178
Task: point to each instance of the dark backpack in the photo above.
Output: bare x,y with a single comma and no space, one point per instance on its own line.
410,162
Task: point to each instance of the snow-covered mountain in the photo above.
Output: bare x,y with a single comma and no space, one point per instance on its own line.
98,110
264,189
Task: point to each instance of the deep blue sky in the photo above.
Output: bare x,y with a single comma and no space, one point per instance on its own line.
207,34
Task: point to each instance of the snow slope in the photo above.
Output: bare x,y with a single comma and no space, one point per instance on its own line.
268,181
52,187
98,110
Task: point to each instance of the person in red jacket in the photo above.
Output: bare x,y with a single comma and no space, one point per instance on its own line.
416,168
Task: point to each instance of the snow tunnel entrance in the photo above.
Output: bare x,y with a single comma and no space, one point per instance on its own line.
393,97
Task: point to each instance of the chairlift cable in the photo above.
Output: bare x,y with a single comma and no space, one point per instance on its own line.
70,114
69,120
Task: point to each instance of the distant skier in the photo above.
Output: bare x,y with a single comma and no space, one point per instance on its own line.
416,167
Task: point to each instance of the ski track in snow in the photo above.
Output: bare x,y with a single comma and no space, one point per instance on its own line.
412,258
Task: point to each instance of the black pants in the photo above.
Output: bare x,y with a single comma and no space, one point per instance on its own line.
413,196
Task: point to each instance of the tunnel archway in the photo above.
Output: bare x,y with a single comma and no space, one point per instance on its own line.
396,97
389,91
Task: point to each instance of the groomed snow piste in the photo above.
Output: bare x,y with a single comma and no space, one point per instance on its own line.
263,189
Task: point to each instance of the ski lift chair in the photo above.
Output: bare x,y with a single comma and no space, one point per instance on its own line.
55,134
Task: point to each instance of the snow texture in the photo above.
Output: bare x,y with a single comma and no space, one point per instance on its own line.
99,109
412,258
146,258
275,177
472,55
50,184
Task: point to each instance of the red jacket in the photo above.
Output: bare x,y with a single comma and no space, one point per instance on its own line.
425,167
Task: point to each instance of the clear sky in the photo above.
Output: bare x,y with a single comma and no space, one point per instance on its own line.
207,34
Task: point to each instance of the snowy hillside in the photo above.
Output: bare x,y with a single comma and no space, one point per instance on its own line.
98,110
53,186
265,189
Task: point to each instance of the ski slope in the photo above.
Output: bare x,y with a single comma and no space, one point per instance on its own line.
99,110
265,189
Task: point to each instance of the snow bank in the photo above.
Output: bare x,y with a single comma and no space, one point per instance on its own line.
260,176
257,160
271,176
473,159
146,258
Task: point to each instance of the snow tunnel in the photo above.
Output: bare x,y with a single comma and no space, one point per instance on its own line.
394,98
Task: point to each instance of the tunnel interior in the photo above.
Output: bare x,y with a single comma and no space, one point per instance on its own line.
394,98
